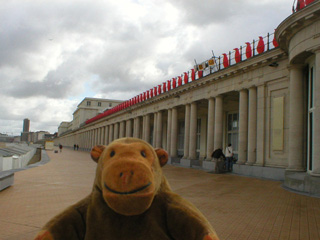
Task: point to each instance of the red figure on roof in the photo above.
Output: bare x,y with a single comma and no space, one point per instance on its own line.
274,41
248,50
237,56
186,78
193,75
169,84
260,47
174,83
225,60
179,81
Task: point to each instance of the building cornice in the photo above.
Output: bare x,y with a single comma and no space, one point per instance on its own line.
295,22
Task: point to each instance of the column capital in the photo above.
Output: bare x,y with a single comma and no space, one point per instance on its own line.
295,66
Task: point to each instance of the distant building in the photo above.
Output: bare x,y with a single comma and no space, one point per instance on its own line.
26,125
86,109
25,131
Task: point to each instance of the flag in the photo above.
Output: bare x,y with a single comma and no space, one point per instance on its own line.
201,66
155,91
169,84
159,89
211,62
200,74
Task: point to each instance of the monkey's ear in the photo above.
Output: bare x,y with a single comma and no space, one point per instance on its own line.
96,152
162,156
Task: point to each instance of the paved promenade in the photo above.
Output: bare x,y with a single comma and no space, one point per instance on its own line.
239,208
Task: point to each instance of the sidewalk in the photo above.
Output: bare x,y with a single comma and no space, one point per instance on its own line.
239,208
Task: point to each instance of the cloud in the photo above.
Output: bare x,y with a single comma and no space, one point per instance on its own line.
55,53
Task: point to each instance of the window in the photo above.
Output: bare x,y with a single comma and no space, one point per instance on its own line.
88,103
99,104
110,104
232,131
310,143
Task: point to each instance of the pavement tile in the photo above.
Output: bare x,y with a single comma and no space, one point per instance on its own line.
237,207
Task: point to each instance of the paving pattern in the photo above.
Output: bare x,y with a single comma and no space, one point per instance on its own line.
239,208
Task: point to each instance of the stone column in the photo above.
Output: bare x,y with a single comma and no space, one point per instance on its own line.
261,109
186,132
116,131
129,128
159,130
252,126
99,136
169,131
296,119
218,123
110,133
210,132
174,133
121,130
106,138
316,117
155,119
243,127
147,128
193,132
136,127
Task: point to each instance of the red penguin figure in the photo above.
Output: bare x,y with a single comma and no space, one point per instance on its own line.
237,56
248,50
225,60
260,47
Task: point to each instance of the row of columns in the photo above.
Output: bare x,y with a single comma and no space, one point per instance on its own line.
132,128
251,132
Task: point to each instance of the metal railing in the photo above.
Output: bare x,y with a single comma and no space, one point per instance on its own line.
212,65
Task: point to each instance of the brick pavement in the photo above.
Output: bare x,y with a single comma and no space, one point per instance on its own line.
238,207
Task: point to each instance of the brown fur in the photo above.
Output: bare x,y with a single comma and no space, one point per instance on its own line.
131,200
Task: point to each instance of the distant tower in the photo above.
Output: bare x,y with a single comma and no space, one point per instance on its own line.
25,132
26,125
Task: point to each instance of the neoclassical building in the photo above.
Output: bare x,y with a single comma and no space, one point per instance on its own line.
263,99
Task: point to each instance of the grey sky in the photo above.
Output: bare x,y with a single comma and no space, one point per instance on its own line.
55,53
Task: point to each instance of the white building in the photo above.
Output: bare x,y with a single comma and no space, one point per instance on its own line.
267,106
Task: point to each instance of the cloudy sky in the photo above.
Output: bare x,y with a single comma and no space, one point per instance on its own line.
55,53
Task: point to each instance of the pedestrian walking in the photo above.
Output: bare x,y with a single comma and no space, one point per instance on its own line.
229,158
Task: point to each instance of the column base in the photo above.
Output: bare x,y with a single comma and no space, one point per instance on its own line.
302,182
250,163
241,163
314,174
185,162
293,169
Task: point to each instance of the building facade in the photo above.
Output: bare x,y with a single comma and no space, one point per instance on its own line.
86,109
266,105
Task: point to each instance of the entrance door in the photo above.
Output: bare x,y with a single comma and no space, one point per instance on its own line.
232,131
310,142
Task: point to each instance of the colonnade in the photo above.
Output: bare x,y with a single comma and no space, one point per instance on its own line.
251,112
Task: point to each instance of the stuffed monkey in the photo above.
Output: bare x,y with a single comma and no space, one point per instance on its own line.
130,200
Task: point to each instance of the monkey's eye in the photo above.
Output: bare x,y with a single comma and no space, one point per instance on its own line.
143,154
112,153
